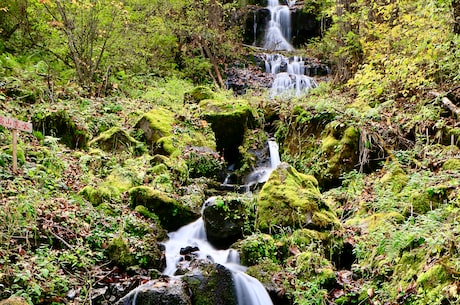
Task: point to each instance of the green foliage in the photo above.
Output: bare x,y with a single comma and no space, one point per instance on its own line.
256,248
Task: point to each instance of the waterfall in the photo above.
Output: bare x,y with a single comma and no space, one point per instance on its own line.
278,33
290,78
274,154
249,291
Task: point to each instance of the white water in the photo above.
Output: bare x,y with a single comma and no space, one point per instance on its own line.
278,33
249,291
274,154
290,78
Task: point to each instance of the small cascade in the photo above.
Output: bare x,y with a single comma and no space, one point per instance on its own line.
290,78
274,154
249,291
278,33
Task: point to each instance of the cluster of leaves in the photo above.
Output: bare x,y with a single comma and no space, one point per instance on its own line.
91,41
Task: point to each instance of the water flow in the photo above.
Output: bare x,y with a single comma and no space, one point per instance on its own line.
249,291
278,32
290,78
274,154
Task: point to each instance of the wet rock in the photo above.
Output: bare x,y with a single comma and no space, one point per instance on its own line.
223,220
210,283
163,291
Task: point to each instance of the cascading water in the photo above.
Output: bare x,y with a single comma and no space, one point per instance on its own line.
249,291
278,32
290,78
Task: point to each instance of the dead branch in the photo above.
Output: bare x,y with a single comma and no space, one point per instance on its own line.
447,103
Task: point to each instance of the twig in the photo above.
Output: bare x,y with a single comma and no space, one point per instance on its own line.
448,103
61,239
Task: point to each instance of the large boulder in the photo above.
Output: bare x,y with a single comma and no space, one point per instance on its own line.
340,151
167,135
61,125
114,139
163,291
291,199
223,220
229,121
171,213
210,283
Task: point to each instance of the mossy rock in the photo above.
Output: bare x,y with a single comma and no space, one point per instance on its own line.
339,150
6,156
426,199
156,124
395,179
115,139
172,213
203,162
257,248
14,301
229,121
167,136
118,252
211,284
61,125
224,219
312,267
375,220
291,199
451,164
198,94
110,190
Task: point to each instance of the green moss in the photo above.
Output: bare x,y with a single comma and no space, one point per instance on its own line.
375,220
451,164
339,152
395,179
313,267
156,124
110,190
145,212
291,199
229,121
433,277
114,139
118,252
198,94
257,248
264,271
171,213
61,125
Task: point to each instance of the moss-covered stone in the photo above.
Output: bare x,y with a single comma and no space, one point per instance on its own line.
114,139
426,199
211,284
203,162
171,213
156,124
229,121
169,136
452,164
118,252
257,248
109,190
312,267
395,178
198,94
373,221
291,199
59,124
339,148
